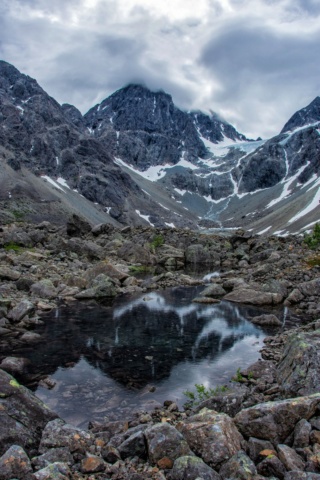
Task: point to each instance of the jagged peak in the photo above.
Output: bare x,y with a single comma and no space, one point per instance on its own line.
305,116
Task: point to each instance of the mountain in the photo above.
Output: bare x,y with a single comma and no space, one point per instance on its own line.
137,159
49,162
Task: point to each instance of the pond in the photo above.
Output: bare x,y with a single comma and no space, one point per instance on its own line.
108,361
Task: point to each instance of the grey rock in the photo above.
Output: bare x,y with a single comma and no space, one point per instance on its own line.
54,471
299,475
7,273
14,365
24,308
298,370
302,434
256,446
197,254
102,287
212,436
163,440
133,446
23,416
15,463
53,455
238,467
44,289
290,459
192,468
253,297
214,290
229,402
57,434
266,320
272,466
274,421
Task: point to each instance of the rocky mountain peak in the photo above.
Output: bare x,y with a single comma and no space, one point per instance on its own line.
306,116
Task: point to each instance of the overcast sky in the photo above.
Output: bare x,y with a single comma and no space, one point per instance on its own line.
255,62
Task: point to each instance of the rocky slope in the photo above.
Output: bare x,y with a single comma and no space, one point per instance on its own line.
268,427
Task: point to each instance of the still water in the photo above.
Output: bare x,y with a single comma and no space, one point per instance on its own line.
106,359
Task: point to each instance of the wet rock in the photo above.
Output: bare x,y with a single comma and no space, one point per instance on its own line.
302,434
298,371
238,467
60,454
30,337
274,421
22,415
24,308
163,440
266,320
272,466
54,471
14,365
205,300
44,289
253,297
192,468
290,459
212,436
59,434
15,464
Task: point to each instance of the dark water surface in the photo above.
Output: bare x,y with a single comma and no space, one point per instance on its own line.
105,359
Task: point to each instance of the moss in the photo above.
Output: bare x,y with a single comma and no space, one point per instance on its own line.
14,383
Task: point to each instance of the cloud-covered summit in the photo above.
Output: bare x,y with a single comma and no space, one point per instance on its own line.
252,61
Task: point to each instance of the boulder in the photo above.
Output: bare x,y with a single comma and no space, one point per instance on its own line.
59,454
77,226
22,415
290,459
298,370
238,467
133,446
214,290
192,468
7,273
272,467
302,432
298,475
212,436
24,308
197,254
54,471
58,434
274,421
15,464
44,289
253,297
266,319
107,269
102,287
163,440
14,365
229,402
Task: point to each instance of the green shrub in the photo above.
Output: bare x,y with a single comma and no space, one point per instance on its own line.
12,246
157,241
202,393
313,239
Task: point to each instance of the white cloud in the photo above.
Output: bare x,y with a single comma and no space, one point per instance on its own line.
252,61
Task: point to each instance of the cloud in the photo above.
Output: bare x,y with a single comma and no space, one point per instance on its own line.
252,61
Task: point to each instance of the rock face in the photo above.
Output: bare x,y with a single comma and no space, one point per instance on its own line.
305,116
298,371
23,416
274,421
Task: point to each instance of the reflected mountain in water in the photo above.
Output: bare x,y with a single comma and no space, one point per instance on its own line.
139,340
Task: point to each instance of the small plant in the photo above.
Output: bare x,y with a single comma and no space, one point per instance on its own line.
313,261
12,246
313,239
202,393
138,269
238,376
250,375
157,242
18,215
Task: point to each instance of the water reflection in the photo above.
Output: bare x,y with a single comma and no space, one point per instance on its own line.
105,358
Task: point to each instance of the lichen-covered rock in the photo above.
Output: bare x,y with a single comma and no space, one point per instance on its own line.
302,434
102,287
60,454
22,415
192,468
256,446
92,464
274,421
266,320
212,436
57,433
299,475
15,464
298,370
44,289
133,446
10,274
272,466
14,365
238,467
54,471
163,440
229,402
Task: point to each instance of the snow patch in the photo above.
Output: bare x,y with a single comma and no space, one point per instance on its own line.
171,225
311,206
264,231
55,184
145,217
